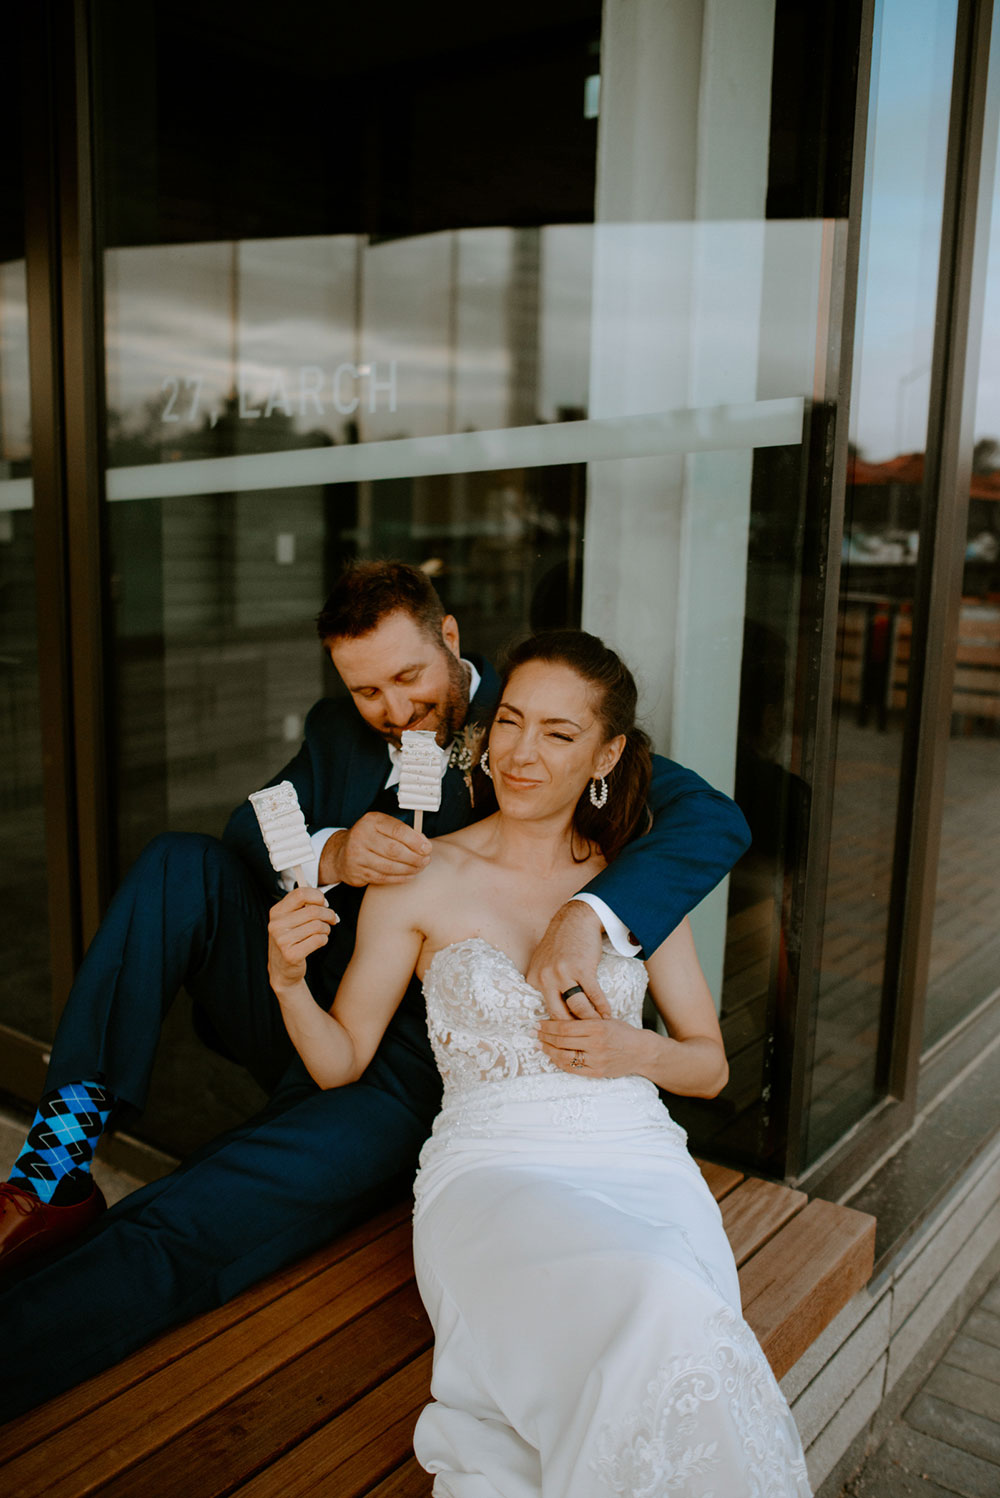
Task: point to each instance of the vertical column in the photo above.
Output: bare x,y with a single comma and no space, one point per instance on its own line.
679,247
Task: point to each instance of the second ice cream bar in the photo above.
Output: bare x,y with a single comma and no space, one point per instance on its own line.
420,774
283,828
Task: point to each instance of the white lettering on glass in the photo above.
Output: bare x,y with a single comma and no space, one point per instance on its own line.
389,386
246,411
169,414
346,408
277,395
310,385
303,389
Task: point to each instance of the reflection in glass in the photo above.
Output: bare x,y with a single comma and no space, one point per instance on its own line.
301,336
908,132
965,945
25,996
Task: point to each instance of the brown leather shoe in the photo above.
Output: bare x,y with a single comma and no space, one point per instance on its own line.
29,1226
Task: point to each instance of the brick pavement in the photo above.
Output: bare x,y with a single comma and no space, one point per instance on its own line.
947,1440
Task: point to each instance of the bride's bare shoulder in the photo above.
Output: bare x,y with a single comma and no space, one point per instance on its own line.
410,901
467,842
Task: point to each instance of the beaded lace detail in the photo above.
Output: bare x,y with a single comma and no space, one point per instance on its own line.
667,1445
483,1017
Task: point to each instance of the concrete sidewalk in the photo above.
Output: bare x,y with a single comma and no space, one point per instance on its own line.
947,1440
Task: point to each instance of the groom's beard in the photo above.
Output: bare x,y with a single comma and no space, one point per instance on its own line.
447,715
455,709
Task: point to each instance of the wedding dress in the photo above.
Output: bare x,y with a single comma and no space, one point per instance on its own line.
584,1298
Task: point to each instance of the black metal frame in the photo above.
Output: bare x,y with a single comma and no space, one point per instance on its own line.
818,762
66,384
974,116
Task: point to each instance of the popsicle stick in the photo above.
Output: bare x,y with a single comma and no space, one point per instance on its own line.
418,820
300,877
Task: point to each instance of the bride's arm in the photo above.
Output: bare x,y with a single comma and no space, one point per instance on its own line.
690,1060
337,1046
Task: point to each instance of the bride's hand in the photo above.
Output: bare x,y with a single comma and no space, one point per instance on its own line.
298,925
593,1048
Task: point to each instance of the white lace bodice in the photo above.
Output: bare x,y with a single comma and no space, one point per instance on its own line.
483,1015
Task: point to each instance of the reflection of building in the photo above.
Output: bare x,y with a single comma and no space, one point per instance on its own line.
405,289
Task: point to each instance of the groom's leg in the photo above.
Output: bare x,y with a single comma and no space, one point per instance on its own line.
256,1199
187,913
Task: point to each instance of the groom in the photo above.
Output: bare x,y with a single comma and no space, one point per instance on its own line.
193,911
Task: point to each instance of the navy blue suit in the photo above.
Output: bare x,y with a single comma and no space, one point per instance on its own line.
193,912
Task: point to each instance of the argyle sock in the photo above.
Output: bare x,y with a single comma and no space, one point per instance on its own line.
54,1163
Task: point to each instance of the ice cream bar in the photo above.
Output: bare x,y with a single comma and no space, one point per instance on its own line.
420,774
283,828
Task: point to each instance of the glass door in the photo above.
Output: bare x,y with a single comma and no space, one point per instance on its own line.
25,986
897,298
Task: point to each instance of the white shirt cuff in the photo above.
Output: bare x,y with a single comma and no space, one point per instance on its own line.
310,866
618,933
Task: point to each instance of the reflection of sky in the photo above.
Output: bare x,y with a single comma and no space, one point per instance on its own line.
450,308
477,329
15,418
988,394
908,138
472,330
444,307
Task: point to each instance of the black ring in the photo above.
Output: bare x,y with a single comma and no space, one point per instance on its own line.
569,992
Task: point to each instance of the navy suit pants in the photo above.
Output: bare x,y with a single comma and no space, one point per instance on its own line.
261,1195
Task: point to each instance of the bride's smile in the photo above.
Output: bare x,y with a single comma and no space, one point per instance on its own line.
547,743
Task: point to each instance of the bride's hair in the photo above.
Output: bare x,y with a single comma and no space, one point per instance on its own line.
625,812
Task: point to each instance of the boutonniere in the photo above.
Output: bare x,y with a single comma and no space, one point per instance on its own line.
466,748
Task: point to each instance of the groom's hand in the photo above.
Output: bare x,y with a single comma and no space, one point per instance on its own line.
566,958
378,849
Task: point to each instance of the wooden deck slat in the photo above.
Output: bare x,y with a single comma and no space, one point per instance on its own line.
795,1285
719,1178
312,1382
368,1442
29,1429
754,1212
177,1396
247,1434
408,1481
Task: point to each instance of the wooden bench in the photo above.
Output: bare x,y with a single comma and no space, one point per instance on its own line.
311,1382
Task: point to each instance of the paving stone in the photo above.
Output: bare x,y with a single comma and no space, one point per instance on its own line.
882,1477
984,1326
957,1427
975,1357
967,1391
956,1471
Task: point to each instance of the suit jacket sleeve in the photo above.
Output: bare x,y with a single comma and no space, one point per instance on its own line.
315,786
696,836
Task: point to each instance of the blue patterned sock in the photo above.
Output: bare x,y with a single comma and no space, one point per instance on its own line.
60,1145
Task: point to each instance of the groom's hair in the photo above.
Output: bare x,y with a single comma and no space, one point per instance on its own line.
368,592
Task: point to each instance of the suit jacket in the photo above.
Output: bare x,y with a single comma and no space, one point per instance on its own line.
696,837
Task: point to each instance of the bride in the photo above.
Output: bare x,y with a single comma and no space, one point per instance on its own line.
584,1298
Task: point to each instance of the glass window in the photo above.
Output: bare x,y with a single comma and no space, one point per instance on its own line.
901,232
965,946
25,989
543,305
